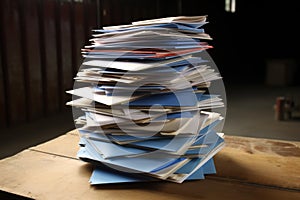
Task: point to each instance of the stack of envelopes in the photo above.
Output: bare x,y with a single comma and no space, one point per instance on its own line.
144,91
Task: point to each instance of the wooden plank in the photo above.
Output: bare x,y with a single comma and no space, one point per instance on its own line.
52,90
116,7
90,17
121,12
79,37
168,11
59,53
3,122
134,10
92,9
3,111
105,13
251,160
73,36
66,71
149,10
68,149
64,55
13,69
32,62
260,161
43,176
42,50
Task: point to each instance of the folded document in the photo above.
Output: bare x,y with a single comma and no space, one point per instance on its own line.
146,111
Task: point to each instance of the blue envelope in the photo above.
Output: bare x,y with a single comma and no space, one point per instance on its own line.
185,98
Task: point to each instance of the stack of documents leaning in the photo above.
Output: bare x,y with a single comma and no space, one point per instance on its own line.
147,110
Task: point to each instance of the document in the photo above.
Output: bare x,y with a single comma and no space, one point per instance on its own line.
146,109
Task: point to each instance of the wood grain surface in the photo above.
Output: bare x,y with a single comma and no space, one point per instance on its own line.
247,168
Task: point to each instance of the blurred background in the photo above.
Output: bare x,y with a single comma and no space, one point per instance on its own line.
256,48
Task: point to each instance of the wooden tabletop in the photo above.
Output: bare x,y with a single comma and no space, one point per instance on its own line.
247,168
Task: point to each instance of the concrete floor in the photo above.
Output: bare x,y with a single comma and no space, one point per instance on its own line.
249,113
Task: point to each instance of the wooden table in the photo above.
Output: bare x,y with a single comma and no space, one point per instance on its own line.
247,168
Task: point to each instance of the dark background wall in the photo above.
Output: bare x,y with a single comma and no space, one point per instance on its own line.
41,41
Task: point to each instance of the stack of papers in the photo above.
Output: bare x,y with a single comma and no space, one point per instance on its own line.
147,111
